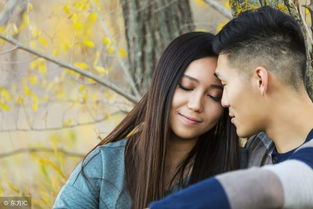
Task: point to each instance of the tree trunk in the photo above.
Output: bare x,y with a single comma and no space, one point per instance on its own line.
149,27
290,7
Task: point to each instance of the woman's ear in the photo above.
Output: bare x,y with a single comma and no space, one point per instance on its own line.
261,76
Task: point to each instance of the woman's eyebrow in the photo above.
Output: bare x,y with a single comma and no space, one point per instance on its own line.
212,86
191,78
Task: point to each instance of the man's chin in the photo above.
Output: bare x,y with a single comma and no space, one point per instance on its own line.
242,134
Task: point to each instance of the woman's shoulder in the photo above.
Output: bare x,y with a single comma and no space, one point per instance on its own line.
106,155
102,171
120,144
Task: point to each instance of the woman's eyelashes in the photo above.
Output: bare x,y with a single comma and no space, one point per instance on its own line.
184,88
215,98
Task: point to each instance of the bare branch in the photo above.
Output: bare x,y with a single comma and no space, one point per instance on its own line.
54,128
8,51
306,27
125,68
87,74
41,149
219,8
8,10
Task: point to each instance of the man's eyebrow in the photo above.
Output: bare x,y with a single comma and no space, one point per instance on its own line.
216,74
216,86
191,78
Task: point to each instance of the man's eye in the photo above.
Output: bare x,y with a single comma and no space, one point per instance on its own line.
184,88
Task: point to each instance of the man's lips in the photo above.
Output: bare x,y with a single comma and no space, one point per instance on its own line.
189,119
232,118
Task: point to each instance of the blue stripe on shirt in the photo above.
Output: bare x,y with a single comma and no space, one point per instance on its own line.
207,194
304,155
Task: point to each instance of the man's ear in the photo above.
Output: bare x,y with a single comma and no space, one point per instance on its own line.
261,76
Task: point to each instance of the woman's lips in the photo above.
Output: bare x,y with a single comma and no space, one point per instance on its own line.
189,120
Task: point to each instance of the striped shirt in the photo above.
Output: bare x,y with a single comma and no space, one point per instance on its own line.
288,184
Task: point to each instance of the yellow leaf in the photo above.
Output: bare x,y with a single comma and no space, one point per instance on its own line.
6,94
82,88
88,43
93,17
35,32
122,52
35,107
94,98
106,41
81,65
200,3
15,29
61,93
2,29
108,95
78,26
67,10
307,11
25,22
66,47
96,60
33,44
42,68
34,64
110,50
90,81
43,41
20,100
35,103
74,17
227,5
13,188
27,91
33,80
85,98
101,69
29,6
68,122
201,29
55,52
4,107
220,26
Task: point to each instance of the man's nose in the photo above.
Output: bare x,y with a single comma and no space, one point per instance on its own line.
224,100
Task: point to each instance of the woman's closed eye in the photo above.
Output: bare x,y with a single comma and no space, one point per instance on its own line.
184,87
216,99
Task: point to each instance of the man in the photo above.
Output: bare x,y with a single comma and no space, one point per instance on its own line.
261,64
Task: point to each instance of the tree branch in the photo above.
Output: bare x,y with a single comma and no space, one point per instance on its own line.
125,68
8,10
71,67
55,128
8,51
41,149
219,8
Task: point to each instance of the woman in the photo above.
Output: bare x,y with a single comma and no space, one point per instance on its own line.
178,134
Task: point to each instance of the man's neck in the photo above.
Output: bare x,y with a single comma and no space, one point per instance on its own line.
291,121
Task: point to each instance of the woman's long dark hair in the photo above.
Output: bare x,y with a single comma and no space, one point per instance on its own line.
215,152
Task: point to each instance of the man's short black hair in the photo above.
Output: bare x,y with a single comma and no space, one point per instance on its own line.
266,37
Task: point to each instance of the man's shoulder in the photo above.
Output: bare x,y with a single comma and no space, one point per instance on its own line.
259,148
304,153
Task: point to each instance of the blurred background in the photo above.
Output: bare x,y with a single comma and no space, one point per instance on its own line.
70,71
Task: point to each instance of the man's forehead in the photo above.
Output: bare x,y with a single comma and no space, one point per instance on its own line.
222,64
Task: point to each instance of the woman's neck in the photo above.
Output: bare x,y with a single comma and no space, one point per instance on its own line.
177,151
